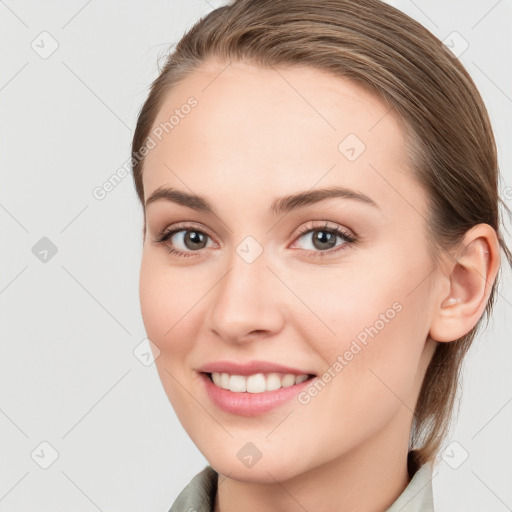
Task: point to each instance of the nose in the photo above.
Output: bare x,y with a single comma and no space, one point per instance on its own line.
246,303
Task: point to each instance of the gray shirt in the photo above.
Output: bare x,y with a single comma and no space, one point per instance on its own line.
199,494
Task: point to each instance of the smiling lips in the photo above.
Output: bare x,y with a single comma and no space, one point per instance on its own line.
253,377
252,388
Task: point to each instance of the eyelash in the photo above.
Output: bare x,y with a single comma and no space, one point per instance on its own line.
162,237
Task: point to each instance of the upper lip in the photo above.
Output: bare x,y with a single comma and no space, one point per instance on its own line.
249,368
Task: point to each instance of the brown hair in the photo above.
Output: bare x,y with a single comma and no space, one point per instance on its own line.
451,142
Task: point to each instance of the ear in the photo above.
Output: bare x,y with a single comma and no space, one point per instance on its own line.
469,278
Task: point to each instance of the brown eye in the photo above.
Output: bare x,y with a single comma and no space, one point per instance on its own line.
183,240
192,239
323,240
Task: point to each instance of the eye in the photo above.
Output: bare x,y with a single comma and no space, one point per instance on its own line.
322,239
188,238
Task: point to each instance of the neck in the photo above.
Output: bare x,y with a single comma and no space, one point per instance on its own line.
369,478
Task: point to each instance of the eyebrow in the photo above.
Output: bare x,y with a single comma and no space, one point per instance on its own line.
279,206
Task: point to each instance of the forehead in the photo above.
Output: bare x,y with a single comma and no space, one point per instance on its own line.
268,130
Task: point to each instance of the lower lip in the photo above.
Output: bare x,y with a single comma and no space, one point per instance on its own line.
250,404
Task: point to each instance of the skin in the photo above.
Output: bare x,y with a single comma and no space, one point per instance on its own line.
256,135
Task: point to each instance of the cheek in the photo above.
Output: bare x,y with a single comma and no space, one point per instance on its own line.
166,307
383,302
378,327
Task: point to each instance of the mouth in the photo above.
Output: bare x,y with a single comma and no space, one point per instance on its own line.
255,394
256,383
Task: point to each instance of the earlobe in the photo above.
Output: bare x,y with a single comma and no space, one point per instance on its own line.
471,276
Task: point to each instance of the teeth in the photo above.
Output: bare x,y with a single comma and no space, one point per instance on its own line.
257,383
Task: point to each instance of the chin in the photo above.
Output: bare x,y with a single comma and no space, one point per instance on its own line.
264,471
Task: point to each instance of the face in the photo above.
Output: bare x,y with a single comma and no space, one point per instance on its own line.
338,287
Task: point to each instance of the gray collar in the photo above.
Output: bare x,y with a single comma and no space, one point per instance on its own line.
417,496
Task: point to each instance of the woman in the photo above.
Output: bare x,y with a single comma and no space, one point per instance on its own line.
321,242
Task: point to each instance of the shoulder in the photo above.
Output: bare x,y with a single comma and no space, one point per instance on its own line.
199,494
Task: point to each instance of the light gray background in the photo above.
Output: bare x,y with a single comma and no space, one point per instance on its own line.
69,326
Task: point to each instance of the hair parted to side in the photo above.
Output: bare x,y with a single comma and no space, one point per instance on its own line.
451,142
